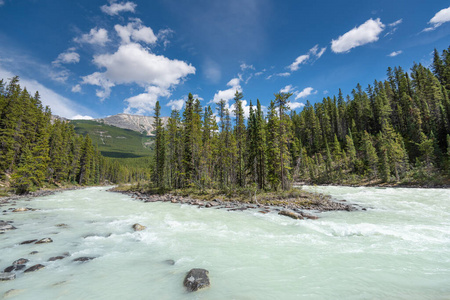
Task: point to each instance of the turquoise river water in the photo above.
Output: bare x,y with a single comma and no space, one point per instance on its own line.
398,249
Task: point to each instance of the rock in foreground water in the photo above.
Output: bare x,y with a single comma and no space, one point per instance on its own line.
34,268
290,214
84,258
196,279
44,241
138,227
7,276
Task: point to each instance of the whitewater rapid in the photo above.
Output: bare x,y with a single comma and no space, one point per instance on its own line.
398,249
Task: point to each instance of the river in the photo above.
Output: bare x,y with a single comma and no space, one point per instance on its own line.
399,248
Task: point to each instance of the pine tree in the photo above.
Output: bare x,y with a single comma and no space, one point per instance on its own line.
160,146
239,132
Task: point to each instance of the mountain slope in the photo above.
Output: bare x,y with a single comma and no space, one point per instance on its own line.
142,124
113,141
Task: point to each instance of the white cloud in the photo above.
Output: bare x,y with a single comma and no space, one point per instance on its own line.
116,8
285,74
441,17
59,105
135,31
2,2
228,94
396,23
94,37
132,63
305,93
299,60
313,54
287,89
176,104
59,75
358,36
294,105
395,53
163,36
100,80
234,82
68,57
145,102
244,67
76,88
80,117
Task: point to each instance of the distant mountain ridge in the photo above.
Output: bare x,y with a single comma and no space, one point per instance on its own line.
142,124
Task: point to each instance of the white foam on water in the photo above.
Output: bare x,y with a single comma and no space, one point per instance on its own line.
397,249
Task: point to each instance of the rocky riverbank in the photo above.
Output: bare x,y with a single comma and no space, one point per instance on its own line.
38,193
290,207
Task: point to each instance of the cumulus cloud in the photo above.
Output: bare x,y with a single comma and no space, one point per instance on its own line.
395,53
294,105
228,94
441,17
135,31
145,102
115,8
358,36
313,54
287,89
305,93
94,37
132,63
176,104
100,80
67,57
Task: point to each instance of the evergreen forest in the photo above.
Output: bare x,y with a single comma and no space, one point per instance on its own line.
394,131
38,150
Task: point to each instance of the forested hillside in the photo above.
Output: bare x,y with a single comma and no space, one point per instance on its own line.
36,151
394,131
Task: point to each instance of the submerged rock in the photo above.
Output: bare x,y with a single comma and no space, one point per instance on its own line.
170,262
5,226
7,276
56,258
34,268
44,241
84,258
11,293
291,214
21,209
138,227
28,242
20,261
196,279
34,252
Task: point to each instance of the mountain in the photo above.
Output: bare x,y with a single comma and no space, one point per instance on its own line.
142,124
113,141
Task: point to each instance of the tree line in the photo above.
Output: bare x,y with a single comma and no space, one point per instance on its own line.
394,130
38,150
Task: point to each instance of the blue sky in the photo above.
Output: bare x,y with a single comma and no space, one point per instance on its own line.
100,58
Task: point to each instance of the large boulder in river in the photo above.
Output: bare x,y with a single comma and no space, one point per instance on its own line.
34,268
138,227
196,279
